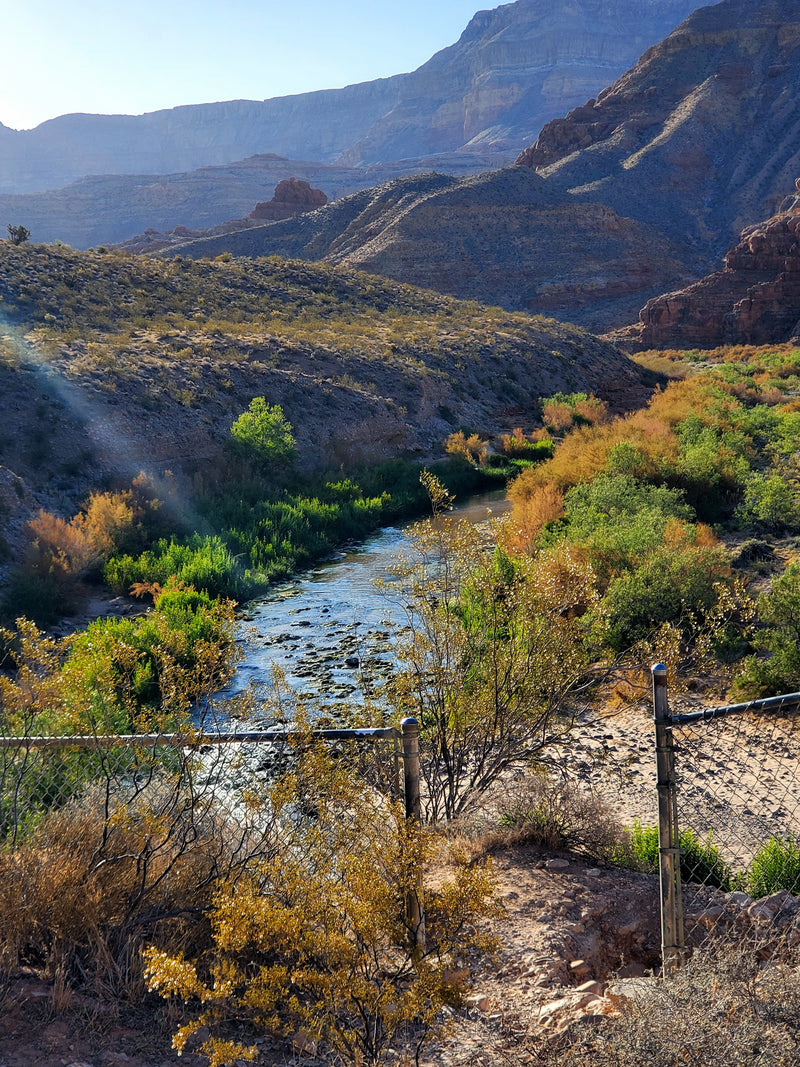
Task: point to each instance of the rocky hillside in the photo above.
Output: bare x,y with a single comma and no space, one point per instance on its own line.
754,299
511,71
634,194
292,197
112,208
507,238
112,363
700,138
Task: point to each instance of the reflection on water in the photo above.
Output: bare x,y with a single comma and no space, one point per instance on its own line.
329,629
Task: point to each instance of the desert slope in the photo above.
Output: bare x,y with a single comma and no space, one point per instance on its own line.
115,363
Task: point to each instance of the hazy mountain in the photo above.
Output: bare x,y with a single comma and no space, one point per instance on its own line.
110,208
511,71
646,186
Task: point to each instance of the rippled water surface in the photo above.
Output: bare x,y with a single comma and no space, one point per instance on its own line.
329,629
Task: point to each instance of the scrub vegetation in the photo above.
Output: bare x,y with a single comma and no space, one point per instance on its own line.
672,529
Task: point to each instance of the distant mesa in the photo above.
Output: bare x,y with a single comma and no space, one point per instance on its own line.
292,197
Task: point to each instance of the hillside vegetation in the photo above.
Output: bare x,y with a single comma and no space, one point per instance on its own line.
114,365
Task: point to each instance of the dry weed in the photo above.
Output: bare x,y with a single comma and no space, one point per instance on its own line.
724,1007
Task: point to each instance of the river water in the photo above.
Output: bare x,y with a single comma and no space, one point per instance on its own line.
329,630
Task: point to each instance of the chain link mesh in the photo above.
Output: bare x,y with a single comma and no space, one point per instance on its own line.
152,780
738,802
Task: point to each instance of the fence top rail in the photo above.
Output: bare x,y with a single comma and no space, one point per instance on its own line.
194,739
786,702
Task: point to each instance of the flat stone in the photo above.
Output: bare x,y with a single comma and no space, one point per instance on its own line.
592,986
761,913
556,864
579,968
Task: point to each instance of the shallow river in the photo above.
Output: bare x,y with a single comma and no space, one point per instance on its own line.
329,629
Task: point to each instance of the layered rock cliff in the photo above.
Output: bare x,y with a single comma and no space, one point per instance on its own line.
507,238
701,137
512,70
755,299
651,181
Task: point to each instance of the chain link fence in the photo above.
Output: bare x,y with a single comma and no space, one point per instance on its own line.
107,842
729,823
194,771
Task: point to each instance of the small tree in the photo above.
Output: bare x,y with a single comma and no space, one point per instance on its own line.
263,432
492,660
18,235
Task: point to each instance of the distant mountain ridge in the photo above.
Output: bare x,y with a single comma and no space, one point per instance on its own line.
512,70
633,194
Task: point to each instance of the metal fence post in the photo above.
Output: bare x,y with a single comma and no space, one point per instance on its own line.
414,912
669,851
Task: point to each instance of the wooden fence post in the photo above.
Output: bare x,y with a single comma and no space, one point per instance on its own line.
673,949
414,912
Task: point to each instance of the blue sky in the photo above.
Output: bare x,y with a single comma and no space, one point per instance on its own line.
131,56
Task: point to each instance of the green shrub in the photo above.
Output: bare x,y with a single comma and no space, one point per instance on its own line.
621,519
775,866
118,675
701,861
771,501
206,563
670,586
39,597
262,432
780,612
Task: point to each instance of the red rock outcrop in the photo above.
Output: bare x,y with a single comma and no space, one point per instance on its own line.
755,299
292,197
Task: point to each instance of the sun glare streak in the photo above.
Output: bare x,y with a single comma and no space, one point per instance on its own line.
121,455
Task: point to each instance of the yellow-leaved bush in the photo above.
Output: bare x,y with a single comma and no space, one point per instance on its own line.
317,937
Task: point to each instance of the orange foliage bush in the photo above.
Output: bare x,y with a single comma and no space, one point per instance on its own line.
69,549
532,508
647,437
592,410
556,415
473,448
513,443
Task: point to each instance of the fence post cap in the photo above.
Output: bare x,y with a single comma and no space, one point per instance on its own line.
659,668
409,721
